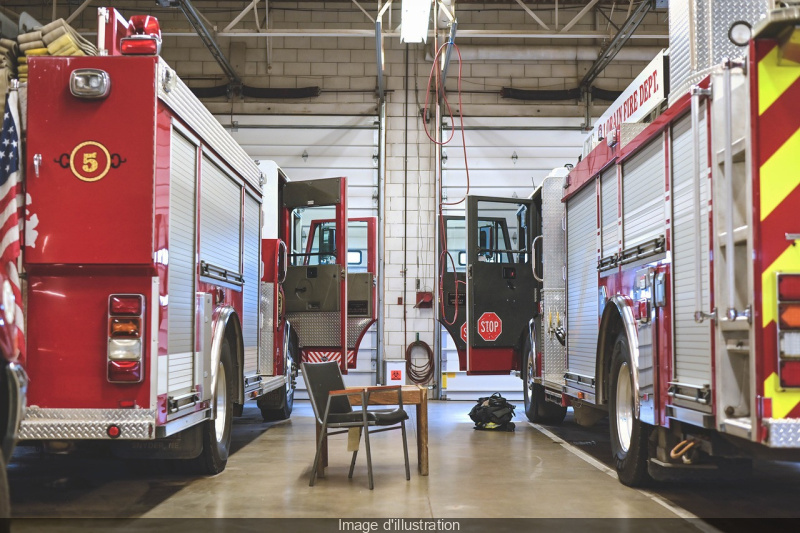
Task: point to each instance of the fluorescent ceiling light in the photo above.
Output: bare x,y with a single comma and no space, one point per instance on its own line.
414,22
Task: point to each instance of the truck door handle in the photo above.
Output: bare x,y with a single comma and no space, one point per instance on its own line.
37,162
533,258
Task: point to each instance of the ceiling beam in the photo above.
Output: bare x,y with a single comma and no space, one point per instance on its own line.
370,33
580,14
619,40
78,11
364,11
532,14
240,16
193,16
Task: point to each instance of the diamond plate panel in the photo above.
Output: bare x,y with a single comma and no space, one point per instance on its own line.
724,14
316,329
553,232
86,424
698,37
266,360
555,355
354,328
783,433
628,132
680,44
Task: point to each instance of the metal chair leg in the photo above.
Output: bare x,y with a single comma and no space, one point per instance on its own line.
322,436
369,454
353,462
405,449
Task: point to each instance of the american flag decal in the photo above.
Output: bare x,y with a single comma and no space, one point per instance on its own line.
11,204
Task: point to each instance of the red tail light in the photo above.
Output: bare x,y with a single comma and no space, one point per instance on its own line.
790,373
125,304
125,371
125,335
788,287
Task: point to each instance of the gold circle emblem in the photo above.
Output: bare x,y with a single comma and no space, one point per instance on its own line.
90,161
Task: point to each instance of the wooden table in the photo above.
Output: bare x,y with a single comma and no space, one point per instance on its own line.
412,395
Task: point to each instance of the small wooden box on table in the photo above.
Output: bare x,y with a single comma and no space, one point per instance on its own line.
411,395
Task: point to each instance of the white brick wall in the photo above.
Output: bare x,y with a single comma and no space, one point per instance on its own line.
345,69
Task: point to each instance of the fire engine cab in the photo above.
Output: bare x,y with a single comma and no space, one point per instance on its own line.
661,274
163,288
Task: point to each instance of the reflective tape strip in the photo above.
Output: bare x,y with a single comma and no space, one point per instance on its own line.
772,81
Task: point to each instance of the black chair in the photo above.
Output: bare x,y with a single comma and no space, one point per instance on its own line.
332,408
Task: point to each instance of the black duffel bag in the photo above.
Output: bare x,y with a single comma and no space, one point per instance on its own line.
493,413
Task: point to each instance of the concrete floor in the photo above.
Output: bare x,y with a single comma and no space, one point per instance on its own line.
472,474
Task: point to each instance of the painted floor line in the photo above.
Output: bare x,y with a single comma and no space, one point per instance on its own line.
682,513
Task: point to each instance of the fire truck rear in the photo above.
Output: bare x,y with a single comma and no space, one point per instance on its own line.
667,289
153,275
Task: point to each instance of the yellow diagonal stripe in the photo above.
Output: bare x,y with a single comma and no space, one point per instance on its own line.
773,79
788,261
783,401
779,175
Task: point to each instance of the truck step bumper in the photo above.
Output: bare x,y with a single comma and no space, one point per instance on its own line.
87,424
783,433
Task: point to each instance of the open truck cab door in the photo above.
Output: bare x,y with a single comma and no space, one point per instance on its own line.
500,285
330,308
362,296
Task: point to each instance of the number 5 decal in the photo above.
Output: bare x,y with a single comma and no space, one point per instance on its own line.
88,163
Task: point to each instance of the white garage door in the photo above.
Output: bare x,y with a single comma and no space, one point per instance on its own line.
311,147
507,157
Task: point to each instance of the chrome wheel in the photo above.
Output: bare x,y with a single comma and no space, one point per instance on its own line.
221,395
530,373
624,410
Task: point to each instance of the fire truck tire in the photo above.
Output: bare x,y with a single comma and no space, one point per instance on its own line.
217,433
5,505
628,435
285,400
537,409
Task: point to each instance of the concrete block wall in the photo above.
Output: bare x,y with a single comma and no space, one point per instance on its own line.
345,69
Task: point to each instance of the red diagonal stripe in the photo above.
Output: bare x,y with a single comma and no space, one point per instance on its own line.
778,123
782,220
764,47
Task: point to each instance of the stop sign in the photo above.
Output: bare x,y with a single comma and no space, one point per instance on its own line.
490,326
464,332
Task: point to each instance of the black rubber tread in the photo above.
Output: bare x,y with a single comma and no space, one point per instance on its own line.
214,457
631,465
537,409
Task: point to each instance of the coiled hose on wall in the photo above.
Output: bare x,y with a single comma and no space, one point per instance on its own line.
419,374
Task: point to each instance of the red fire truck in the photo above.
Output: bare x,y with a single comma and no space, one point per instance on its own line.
162,292
666,286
